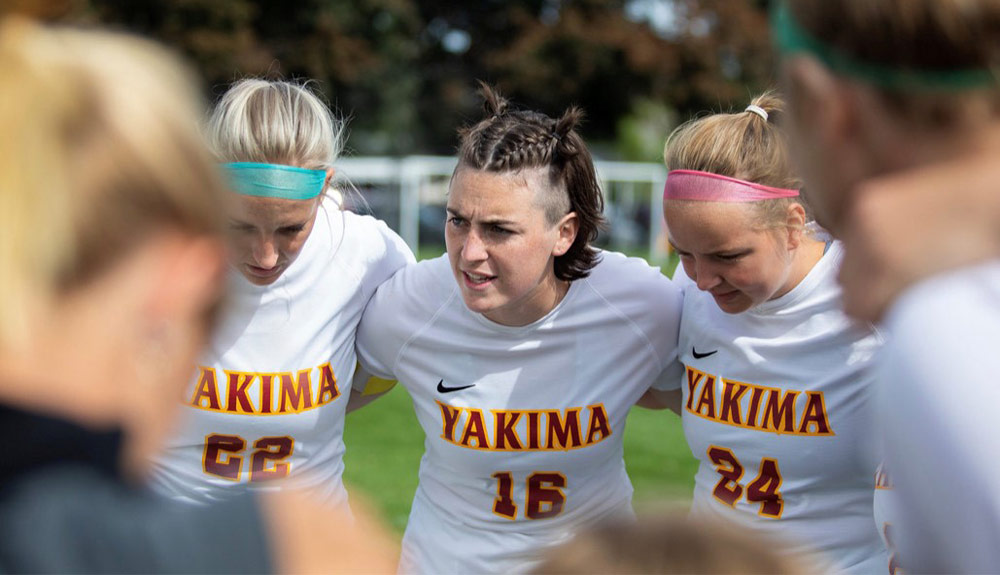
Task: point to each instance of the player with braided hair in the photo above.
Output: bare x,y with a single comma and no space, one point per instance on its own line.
523,349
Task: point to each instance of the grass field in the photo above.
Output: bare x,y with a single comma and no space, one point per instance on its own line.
384,445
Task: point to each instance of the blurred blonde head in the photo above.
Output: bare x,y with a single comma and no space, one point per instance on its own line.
101,149
671,543
111,242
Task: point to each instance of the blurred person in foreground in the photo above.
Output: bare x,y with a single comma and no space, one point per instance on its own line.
670,543
112,265
884,88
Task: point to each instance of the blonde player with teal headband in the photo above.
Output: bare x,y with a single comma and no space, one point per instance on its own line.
890,90
269,398
776,393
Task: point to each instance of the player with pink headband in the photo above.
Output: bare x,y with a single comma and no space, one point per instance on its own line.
775,396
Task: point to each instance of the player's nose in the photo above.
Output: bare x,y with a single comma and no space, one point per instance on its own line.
265,252
473,248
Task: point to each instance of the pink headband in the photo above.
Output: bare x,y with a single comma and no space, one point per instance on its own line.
708,187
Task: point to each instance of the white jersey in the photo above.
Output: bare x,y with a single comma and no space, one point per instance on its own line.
270,395
777,409
523,425
940,394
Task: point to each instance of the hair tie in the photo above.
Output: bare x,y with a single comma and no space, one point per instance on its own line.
757,110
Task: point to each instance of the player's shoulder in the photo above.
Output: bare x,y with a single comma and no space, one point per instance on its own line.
405,304
424,285
622,275
367,229
367,244
634,286
964,297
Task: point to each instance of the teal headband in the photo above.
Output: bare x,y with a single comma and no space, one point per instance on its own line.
790,38
275,180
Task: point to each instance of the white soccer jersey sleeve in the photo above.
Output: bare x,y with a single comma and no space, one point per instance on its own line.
269,398
523,425
939,399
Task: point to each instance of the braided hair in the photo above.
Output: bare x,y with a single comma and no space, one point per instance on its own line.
510,140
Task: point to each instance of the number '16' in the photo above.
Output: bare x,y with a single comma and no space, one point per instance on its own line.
545,498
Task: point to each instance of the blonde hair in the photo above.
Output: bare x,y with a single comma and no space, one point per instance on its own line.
670,543
742,145
931,35
101,149
275,122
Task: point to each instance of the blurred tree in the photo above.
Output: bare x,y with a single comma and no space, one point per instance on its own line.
405,70
604,55
641,134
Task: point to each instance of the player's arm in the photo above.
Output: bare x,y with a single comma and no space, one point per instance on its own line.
660,399
665,392
366,388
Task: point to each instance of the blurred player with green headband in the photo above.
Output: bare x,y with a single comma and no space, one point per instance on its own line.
905,94
269,398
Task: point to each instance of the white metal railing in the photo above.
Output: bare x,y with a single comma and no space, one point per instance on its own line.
420,180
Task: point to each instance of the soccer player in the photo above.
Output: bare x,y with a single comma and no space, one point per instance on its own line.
776,392
112,258
523,349
269,398
879,88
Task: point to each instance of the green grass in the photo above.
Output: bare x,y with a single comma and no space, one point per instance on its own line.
384,445
385,442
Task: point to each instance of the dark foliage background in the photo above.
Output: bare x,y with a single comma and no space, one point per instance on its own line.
404,71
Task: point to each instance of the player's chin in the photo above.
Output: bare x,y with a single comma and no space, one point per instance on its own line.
478,302
734,304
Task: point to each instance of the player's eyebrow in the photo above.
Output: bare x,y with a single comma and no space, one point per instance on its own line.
495,221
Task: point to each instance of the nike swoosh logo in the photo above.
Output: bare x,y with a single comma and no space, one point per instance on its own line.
695,353
443,389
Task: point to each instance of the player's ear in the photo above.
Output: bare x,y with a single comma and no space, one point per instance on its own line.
568,227
795,222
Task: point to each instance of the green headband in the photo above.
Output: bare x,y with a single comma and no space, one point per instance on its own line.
275,180
790,38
